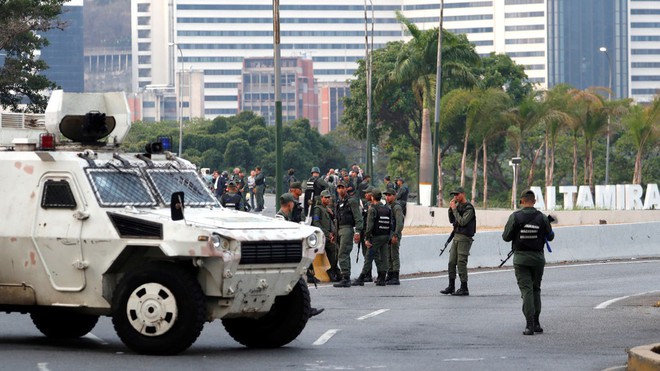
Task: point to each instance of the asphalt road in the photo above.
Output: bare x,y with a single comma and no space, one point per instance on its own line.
410,327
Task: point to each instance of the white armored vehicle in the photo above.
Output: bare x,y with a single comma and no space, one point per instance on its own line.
89,231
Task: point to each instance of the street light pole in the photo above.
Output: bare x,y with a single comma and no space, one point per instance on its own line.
367,61
435,192
609,99
278,100
179,113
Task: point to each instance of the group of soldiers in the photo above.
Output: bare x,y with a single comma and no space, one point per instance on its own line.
233,192
350,211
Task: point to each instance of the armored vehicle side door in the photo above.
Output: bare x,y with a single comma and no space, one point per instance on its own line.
56,232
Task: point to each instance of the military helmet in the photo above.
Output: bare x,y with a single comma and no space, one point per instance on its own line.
316,169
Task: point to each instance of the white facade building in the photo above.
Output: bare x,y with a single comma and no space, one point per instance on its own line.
214,37
644,50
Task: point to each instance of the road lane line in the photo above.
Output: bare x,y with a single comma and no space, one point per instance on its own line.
462,359
372,314
95,338
325,337
42,366
607,303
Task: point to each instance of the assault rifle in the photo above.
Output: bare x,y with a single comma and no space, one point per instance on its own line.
451,237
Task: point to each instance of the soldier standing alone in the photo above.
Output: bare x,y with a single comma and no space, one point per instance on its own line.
528,228
463,218
349,225
394,263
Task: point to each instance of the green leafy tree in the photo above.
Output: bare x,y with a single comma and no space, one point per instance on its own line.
643,125
20,76
501,72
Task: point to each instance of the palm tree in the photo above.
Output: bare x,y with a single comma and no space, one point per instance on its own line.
590,113
484,111
643,125
556,101
416,65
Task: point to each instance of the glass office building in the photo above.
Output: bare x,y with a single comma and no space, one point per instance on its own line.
65,52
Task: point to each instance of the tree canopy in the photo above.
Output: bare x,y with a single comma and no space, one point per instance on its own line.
21,21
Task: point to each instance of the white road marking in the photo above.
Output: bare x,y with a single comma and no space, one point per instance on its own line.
607,303
95,338
325,337
462,359
42,366
372,314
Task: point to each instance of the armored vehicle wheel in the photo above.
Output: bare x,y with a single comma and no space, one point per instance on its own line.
158,309
285,321
62,323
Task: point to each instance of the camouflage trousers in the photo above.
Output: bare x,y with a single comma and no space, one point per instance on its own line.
458,258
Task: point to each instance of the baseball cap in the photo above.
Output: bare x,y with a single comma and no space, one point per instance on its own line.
341,184
296,185
325,193
528,194
389,191
457,190
285,198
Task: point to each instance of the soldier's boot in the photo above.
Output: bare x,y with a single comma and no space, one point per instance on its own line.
345,281
358,281
537,325
368,277
463,290
331,275
312,279
394,280
450,289
380,281
529,328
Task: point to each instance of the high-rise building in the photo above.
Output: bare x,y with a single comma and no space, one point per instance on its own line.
557,41
331,102
256,91
644,50
64,54
577,30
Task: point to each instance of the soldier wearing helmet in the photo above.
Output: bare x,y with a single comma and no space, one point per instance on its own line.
313,188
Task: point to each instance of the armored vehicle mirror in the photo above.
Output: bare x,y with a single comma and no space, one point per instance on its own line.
176,206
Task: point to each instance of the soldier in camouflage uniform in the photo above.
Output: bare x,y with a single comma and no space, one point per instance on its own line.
394,262
367,265
323,217
349,226
463,218
378,234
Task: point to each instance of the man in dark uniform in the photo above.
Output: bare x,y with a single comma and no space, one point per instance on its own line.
286,208
323,217
402,194
314,186
528,229
389,184
394,262
296,190
231,199
349,225
463,218
377,235
362,187
367,265
259,188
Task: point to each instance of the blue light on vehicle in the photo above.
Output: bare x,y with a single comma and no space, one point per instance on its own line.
166,141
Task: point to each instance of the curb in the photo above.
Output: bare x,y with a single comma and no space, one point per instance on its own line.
644,358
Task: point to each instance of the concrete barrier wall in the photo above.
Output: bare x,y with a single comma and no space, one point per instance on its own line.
421,216
420,253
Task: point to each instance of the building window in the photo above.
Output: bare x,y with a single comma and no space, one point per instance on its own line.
144,72
536,40
645,78
645,25
143,8
645,51
535,67
144,47
144,34
144,59
645,38
526,54
143,21
521,2
645,11
646,65
524,14
526,27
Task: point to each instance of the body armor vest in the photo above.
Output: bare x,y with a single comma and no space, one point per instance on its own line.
344,213
231,201
530,231
383,224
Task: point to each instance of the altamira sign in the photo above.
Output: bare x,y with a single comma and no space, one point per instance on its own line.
607,197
